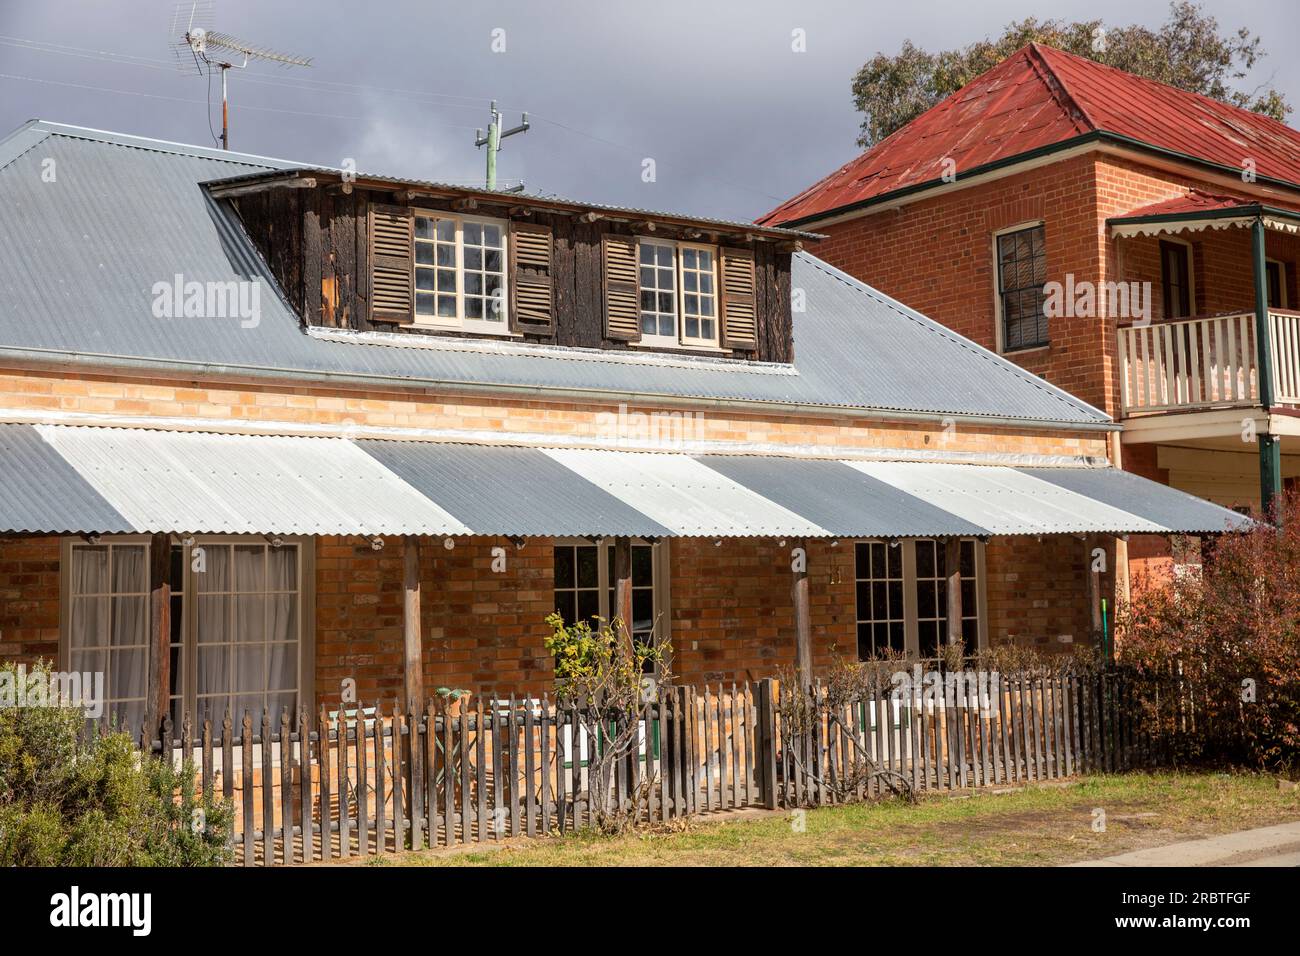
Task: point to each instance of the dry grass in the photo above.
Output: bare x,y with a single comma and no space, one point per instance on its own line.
1039,826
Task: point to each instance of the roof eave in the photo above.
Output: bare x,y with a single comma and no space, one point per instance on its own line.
1096,136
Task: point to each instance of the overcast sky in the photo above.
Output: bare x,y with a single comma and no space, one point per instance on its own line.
711,90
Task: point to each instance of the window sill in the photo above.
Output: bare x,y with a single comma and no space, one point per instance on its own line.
479,333
1028,350
671,345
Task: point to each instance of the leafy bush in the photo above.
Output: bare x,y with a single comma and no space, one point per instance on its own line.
1232,632
72,799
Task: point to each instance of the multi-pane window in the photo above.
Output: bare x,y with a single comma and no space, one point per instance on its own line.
236,626
1022,274
460,273
679,296
586,586
246,630
1175,279
658,290
108,626
932,597
699,298
902,596
880,598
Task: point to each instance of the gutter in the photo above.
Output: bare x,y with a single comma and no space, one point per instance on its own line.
60,360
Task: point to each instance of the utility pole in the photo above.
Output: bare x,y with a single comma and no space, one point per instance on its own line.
493,141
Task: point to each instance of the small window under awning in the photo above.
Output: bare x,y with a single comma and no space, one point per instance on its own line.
93,480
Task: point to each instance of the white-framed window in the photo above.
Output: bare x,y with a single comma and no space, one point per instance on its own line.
699,295
106,622
679,293
240,624
460,272
902,596
658,264
585,585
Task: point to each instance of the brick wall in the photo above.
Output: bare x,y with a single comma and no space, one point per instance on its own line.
286,408
482,629
731,616
936,255
29,599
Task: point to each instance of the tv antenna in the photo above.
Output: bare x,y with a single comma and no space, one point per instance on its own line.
493,143
199,47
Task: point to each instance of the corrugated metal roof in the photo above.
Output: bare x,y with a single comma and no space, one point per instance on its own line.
79,258
237,484
117,480
1041,97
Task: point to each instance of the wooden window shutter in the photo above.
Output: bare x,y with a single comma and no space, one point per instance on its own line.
739,303
532,278
392,275
622,288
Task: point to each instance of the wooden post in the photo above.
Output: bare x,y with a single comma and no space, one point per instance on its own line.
622,609
952,566
1091,543
765,745
802,616
160,632
412,630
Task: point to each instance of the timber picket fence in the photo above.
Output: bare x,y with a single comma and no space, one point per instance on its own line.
363,781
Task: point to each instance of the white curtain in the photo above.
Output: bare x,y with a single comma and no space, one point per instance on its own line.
108,630
247,637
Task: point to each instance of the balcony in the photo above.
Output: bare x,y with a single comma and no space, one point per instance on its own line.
1205,363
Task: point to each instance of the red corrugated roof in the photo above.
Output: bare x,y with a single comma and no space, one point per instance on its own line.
1040,97
1195,201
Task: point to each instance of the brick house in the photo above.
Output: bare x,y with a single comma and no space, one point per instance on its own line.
1004,211
268,431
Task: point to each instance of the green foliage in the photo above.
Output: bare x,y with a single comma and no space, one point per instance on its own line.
1188,51
606,663
1232,631
70,799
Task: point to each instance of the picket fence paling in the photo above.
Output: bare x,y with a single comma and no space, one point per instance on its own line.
360,781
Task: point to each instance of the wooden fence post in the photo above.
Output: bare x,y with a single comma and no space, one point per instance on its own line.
765,741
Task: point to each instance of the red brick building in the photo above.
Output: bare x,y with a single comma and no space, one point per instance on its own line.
1011,208
272,436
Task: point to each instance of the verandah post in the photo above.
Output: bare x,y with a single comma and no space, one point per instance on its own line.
413,672
160,634
802,616
952,566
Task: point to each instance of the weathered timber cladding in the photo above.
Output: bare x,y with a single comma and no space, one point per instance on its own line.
317,244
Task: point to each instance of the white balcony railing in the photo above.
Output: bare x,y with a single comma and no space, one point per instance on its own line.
1205,362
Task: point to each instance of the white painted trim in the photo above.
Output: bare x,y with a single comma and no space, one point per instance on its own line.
1281,265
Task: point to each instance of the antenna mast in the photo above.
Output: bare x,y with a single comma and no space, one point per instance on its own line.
493,141
199,46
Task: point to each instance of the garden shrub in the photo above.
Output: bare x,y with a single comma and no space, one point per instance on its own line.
1231,632
70,798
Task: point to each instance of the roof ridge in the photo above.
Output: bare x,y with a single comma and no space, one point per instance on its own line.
1056,84
169,147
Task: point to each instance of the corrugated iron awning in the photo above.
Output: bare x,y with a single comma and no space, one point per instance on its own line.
82,479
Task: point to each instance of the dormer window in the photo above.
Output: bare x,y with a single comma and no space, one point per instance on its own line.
679,304
460,273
